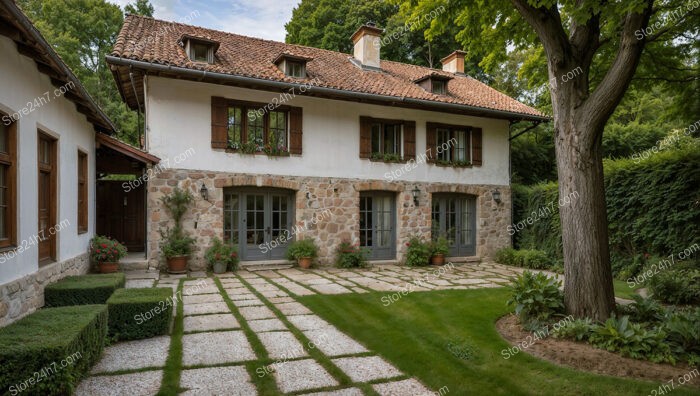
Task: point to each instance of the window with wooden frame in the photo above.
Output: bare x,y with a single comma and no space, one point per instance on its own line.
252,128
295,69
82,192
8,184
454,145
387,140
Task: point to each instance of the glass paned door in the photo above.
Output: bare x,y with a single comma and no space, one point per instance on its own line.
377,225
454,217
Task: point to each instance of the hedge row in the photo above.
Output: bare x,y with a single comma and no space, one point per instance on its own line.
652,209
49,351
83,289
140,313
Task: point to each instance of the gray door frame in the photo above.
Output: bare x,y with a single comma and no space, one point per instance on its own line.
384,252
457,248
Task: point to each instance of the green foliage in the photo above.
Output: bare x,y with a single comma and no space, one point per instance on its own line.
83,289
350,256
440,246
536,297
683,335
222,253
40,342
676,286
526,258
631,339
135,314
418,253
140,7
106,250
177,203
301,249
644,310
577,329
174,241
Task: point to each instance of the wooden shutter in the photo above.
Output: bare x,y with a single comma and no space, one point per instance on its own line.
431,141
296,125
219,123
476,146
409,140
365,137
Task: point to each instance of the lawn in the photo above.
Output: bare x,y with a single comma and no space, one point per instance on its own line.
415,331
623,290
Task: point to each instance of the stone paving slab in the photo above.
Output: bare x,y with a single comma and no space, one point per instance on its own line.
145,383
151,352
252,313
279,300
246,296
282,345
231,380
210,322
209,289
308,322
366,369
273,293
332,342
293,308
206,308
405,387
202,298
341,392
263,325
298,375
139,283
247,303
332,288
215,348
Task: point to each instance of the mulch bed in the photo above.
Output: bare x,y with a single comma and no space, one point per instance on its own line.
585,357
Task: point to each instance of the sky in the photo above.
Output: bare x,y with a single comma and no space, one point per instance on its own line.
257,18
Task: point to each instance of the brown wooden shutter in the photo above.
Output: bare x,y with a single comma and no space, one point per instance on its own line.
365,137
431,141
476,146
296,122
219,123
409,140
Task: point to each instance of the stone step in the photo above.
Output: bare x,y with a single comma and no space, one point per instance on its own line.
266,265
131,263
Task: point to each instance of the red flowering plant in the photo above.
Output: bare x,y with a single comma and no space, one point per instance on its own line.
351,256
220,252
106,250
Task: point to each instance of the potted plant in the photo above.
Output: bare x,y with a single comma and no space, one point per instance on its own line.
176,245
106,252
351,256
418,252
440,249
221,256
303,251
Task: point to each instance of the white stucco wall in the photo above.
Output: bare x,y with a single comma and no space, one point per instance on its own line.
179,119
21,83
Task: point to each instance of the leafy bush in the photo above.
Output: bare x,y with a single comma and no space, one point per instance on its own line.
526,258
418,253
301,249
645,310
683,335
505,256
536,297
83,289
63,343
578,329
140,313
351,256
631,339
220,252
175,242
440,246
106,250
676,286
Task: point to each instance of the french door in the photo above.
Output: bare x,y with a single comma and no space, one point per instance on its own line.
259,222
377,225
454,217
47,198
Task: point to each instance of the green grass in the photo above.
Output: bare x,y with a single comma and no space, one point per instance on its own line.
170,386
414,332
623,290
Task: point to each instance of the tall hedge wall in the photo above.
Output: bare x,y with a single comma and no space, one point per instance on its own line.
652,207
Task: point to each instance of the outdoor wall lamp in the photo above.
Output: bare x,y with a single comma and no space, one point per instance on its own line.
416,193
496,196
204,192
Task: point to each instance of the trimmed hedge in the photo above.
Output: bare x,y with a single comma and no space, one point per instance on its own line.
651,206
83,290
49,351
533,259
140,313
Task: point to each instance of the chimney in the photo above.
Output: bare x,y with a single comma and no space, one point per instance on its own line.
454,62
368,42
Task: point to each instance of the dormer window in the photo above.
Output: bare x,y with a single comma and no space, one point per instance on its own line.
292,65
434,83
440,87
199,49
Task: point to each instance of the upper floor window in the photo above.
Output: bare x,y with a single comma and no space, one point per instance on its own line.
434,83
387,140
296,69
199,49
454,145
292,65
8,190
440,87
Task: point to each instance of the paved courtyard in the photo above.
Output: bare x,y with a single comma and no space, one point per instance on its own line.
244,328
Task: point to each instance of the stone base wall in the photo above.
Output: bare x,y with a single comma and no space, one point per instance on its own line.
25,295
327,210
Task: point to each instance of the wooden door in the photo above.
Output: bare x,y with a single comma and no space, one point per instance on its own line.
121,214
47,198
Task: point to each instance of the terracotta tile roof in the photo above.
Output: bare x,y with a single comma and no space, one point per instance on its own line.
154,41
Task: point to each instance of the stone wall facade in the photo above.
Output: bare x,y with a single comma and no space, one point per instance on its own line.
314,197
25,295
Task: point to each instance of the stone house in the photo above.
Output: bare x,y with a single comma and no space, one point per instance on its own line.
282,141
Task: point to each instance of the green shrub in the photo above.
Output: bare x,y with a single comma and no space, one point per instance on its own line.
83,289
351,256
54,346
631,339
536,298
578,329
418,253
676,286
683,335
526,258
301,249
644,310
506,256
440,246
140,313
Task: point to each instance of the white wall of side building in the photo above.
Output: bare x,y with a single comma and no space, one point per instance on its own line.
23,83
178,115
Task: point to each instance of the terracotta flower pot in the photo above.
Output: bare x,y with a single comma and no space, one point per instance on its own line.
438,259
305,262
177,265
219,267
108,267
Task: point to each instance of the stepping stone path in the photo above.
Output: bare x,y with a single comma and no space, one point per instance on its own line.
224,318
